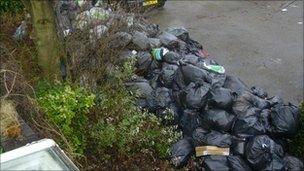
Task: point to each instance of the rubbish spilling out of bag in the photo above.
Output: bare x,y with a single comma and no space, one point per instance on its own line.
227,124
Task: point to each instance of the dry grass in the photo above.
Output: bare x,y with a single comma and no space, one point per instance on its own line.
89,56
19,73
10,126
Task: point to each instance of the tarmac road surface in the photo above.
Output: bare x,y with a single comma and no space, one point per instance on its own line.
261,42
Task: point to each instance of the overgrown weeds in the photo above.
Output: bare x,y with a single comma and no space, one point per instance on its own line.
92,116
124,128
11,6
296,145
67,107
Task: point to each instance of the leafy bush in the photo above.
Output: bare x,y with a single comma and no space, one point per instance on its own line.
12,6
107,126
1,150
124,128
297,144
67,107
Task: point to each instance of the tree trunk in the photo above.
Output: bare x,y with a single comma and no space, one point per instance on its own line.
46,39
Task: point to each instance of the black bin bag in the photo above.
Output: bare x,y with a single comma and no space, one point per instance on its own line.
215,163
236,163
284,120
229,163
194,74
262,152
190,120
195,96
275,100
217,119
167,74
217,79
235,84
120,40
143,63
251,123
179,32
293,164
246,100
141,86
181,152
276,164
178,82
222,98
140,41
172,57
203,137
193,47
168,40
258,91
238,145
159,99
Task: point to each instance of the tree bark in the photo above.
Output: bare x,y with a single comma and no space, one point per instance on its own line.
47,43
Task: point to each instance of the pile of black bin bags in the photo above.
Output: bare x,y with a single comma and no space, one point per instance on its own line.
212,108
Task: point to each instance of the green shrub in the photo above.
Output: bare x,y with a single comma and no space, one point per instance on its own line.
12,6
297,144
1,150
67,107
107,126
124,128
